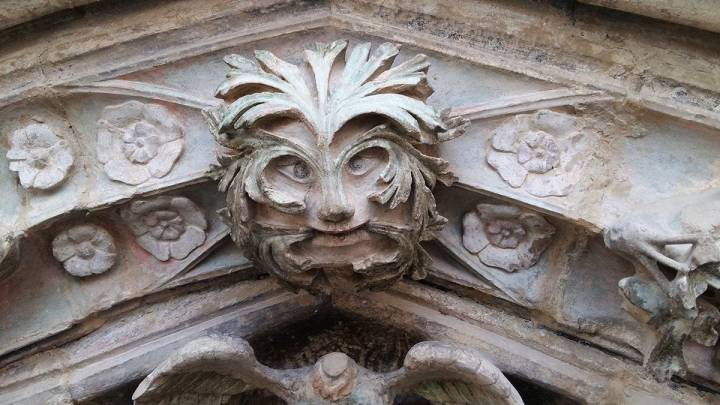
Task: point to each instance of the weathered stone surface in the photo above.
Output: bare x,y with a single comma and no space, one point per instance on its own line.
583,122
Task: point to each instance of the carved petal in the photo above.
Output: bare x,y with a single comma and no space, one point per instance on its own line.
189,212
167,155
101,262
122,115
507,166
78,266
162,119
121,170
48,177
505,136
26,173
159,249
63,159
192,238
474,238
63,248
507,259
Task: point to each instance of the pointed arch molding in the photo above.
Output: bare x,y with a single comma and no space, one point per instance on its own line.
586,183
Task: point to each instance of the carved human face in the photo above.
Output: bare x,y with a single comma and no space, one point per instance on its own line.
327,185
337,216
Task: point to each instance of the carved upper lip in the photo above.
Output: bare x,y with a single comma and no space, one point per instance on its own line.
339,229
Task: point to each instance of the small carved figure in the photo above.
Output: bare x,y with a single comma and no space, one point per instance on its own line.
328,180
679,237
505,236
40,158
214,369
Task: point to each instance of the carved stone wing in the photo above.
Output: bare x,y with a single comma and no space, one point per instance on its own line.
208,371
445,374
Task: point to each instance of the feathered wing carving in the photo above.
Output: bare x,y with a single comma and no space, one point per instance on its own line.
209,371
449,375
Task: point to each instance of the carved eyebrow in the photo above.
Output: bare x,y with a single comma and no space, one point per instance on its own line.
378,132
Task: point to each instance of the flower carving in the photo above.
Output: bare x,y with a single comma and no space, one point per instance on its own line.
40,158
536,151
84,250
138,141
505,236
167,227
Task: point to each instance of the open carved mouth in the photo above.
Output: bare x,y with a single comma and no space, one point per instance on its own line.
348,238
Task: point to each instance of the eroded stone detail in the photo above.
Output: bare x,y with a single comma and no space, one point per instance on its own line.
85,250
166,226
536,152
40,158
505,236
327,186
214,369
679,235
138,141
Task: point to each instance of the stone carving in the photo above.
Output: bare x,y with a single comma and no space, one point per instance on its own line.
214,369
166,226
329,184
40,158
138,141
505,236
85,250
681,236
536,152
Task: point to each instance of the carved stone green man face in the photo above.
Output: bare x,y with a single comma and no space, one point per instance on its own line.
327,183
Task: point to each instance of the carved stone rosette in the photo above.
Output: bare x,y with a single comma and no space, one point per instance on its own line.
166,226
505,236
85,250
138,141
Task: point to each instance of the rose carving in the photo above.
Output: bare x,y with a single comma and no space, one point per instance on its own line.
40,158
167,227
84,250
505,236
138,141
536,151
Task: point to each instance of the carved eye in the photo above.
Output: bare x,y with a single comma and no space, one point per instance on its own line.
363,162
295,169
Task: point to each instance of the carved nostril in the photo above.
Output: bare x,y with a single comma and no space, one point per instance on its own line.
336,212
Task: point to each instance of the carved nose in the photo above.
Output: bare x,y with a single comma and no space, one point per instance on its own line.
336,211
